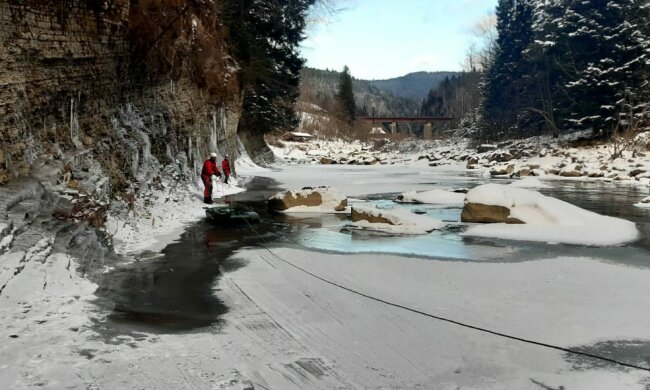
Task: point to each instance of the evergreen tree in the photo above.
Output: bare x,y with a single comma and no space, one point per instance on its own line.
345,96
456,97
596,57
506,85
266,35
602,63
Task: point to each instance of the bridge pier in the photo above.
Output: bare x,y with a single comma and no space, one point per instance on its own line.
428,131
393,127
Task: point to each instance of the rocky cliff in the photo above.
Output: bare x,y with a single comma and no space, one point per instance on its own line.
101,94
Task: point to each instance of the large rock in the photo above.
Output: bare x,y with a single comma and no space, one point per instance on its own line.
501,157
363,215
523,172
502,170
320,199
327,161
486,148
394,221
636,172
482,213
471,162
570,173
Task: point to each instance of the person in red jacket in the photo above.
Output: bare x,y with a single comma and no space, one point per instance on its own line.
225,166
210,168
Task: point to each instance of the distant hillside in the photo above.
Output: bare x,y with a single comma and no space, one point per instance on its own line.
320,86
413,85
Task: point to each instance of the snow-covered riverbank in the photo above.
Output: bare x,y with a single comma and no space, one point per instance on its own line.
286,330
537,156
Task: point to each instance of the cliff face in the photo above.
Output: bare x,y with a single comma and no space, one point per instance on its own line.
116,88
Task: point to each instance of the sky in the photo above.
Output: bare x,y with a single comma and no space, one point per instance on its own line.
381,39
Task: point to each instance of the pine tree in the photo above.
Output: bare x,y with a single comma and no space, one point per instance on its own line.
266,35
345,96
597,58
506,87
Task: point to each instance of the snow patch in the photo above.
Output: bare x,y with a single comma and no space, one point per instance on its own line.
645,203
244,164
159,217
435,196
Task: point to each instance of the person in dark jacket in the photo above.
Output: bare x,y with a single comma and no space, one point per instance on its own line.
210,168
225,166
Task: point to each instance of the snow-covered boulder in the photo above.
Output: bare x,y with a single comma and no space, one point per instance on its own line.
501,157
472,162
645,203
310,200
572,170
643,139
397,220
502,170
435,196
545,219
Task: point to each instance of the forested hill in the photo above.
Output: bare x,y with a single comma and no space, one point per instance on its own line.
413,85
399,96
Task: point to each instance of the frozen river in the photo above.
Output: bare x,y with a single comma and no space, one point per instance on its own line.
280,328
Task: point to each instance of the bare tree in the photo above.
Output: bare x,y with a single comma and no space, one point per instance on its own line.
629,125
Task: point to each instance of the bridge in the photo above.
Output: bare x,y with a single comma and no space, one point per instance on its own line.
393,121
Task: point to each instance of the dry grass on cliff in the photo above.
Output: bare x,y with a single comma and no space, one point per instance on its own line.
177,38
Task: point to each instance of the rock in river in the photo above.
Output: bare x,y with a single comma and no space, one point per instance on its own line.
321,199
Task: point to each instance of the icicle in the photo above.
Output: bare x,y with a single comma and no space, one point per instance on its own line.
168,152
224,121
214,139
189,147
163,124
74,124
135,161
146,149
197,152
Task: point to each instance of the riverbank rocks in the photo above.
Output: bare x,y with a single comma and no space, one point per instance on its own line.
502,170
482,213
637,172
309,199
523,172
501,157
486,148
472,162
327,161
573,170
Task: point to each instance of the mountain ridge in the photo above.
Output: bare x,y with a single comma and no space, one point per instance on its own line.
413,85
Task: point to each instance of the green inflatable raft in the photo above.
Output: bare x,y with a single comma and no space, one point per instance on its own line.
231,215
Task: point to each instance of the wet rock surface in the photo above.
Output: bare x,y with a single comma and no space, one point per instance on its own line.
360,215
308,197
289,199
481,213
